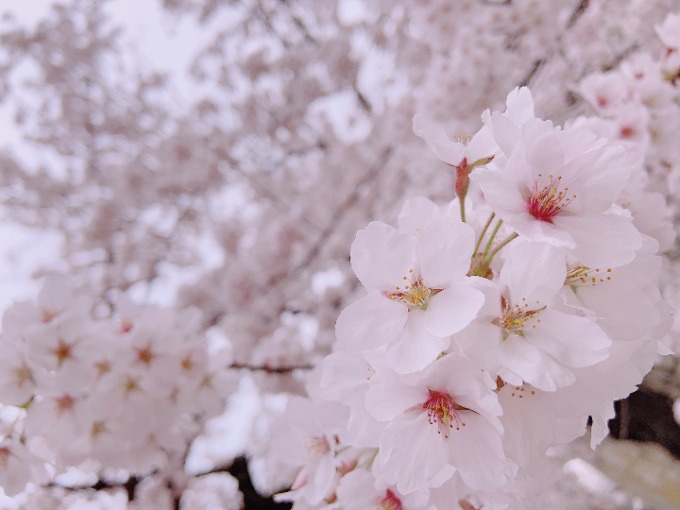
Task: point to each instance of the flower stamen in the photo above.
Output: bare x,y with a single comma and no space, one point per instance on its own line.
548,201
443,411
514,318
390,501
317,447
415,294
581,276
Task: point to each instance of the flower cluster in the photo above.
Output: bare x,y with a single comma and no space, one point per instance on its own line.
637,104
124,392
491,329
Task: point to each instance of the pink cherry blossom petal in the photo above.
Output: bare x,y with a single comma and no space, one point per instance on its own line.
370,322
604,240
411,454
381,256
533,272
417,347
452,309
416,213
444,249
524,362
573,341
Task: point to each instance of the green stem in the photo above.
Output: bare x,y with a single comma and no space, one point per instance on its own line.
492,237
481,236
368,462
461,204
340,450
503,243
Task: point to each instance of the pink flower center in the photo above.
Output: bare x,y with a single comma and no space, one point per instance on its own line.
97,429
627,132
64,403
443,411
390,501
63,351
317,447
515,317
548,201
414,293
22,375
4,457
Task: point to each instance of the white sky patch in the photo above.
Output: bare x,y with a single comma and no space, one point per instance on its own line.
379,81
324,280
343,113
163,291
352,12
306,327
27,12
23,251
156,42
228,435
11,134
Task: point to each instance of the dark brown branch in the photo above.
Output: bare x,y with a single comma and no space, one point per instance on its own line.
532,72
269,369
578,12
129,485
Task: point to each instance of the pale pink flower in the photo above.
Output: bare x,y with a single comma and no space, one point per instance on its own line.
454,149
310,441
359,490
419,293
557,187
606,92
534,420
624,300
345,378
506,127
520,336
442,421
17,466
669,31
17,378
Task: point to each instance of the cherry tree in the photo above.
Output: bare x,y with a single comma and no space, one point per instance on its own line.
206,215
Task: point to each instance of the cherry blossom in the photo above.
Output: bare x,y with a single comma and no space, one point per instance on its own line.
441,421
417,286
557,187
234,182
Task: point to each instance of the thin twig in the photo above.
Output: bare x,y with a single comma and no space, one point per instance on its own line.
269,369
483,233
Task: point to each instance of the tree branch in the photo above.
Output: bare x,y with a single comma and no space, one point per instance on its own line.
269,369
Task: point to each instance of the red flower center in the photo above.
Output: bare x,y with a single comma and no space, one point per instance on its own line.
549,200
390,501
443,411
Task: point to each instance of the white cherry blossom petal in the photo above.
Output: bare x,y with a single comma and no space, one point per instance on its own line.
381,256
453,309
417,347
604,240
444,250
370,322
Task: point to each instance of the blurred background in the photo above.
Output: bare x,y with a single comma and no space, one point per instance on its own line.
222,154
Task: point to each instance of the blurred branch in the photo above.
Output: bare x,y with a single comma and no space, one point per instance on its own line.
351,200
269,369
538,64
129,485
578,12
